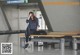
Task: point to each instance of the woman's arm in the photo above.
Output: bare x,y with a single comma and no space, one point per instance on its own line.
27,20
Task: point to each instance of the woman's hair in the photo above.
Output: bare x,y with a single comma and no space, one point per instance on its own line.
32,15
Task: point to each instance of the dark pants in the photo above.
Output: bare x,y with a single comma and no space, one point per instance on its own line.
28,33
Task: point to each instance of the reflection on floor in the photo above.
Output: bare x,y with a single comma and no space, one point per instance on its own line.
42,50
35,50
49,52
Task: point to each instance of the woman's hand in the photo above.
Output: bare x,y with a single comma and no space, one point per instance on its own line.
29,16
37,28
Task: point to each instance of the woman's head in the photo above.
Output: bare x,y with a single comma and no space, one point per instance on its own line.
32,15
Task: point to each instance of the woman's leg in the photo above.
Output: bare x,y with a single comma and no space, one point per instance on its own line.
27,34
27,37
32,31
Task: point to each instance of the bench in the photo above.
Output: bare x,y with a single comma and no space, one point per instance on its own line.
55,34
59,35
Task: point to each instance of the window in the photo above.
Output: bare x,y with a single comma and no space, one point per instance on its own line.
42,23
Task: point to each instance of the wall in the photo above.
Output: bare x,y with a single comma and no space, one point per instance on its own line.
17,16
63,17
3,27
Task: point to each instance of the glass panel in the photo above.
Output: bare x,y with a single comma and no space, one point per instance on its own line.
16,1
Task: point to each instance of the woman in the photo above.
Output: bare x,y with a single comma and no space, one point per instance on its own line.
32,26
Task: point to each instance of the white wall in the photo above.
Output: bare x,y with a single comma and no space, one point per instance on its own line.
63,17
12,16
17,16
3,27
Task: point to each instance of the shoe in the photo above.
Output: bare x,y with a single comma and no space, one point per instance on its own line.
26,46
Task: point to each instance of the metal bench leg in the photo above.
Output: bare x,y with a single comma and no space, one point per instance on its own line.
75,52
75,44
62,46
40,47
